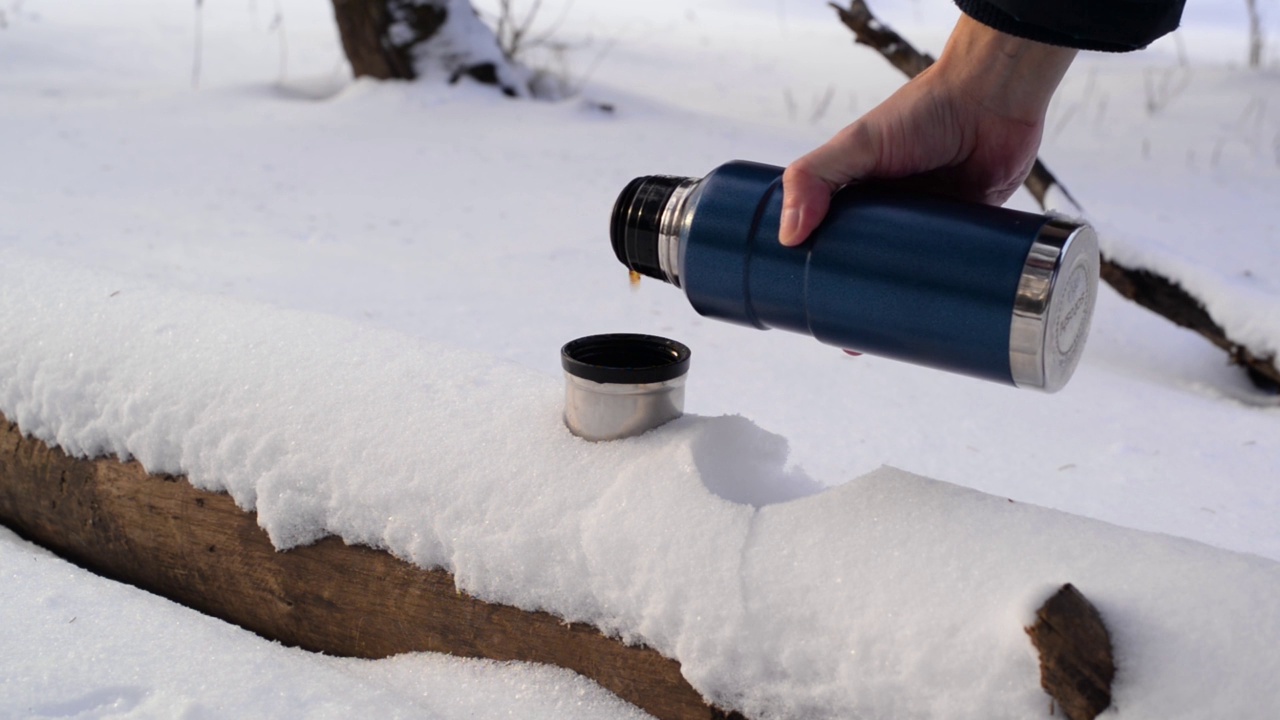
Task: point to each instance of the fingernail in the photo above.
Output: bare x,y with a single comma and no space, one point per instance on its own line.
788,226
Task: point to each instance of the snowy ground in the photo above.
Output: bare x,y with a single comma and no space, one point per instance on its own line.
410,259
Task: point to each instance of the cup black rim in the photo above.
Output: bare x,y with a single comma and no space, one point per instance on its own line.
656,359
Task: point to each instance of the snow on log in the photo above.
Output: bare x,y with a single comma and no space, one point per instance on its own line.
197,548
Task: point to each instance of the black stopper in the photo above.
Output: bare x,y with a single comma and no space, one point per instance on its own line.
636,217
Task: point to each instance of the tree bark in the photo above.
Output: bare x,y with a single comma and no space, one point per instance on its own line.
1076,664
363,26
1159,294
400,39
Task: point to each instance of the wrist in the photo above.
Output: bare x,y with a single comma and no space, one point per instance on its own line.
1011,76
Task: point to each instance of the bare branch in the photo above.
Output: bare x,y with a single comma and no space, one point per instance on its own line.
1256,34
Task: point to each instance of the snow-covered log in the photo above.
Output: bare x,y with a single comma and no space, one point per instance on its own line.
197,548
405,39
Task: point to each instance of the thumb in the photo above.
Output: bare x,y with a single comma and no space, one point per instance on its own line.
805,199
807,184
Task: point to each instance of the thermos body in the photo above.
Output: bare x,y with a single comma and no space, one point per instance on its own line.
969,288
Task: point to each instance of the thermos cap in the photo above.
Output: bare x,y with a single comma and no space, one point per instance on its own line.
622,384
625,358
1054,305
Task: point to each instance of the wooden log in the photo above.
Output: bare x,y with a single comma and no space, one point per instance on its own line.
1160,295
1076,665
197,548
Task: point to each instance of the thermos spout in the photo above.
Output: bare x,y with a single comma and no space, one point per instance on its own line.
646,224
984,291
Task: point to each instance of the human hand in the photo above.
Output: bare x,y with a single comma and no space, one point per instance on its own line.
969,127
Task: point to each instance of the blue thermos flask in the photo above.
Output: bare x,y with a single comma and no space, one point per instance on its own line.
984,291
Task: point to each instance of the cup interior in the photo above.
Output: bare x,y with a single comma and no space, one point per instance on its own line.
625,358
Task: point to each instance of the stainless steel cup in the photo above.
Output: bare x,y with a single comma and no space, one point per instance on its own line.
622,384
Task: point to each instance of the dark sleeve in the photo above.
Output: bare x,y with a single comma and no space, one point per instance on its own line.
1110,25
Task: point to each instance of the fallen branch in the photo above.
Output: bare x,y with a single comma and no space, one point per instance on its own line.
1076,665
1157,293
